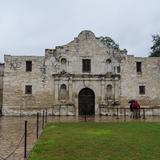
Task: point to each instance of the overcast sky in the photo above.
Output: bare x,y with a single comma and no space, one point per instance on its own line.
27,27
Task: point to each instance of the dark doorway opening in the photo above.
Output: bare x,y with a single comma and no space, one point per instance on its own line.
86,102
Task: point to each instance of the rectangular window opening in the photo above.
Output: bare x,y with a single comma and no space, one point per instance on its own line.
86,65
142,90
118,69
139,67
28,89
28,66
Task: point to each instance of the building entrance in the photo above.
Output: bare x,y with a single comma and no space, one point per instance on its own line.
86,102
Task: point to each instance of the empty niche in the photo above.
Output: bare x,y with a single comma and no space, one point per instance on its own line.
109,65
109,93
63,93
64,64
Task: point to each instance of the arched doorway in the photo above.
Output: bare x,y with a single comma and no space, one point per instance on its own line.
86,102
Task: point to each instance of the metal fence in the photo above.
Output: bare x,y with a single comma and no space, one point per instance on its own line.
27,140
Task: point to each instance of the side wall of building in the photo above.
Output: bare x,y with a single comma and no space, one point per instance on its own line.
149,77
15,100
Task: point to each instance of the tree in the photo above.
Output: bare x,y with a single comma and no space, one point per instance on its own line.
156,46
109,42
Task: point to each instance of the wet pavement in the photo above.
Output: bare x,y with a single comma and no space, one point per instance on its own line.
12,131
12,136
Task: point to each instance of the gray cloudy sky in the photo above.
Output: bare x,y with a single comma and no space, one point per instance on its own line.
27,27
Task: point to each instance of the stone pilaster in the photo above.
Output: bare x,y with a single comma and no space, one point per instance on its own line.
70,90
56,90
102,90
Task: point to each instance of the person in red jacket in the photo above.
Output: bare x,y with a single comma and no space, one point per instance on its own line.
137,109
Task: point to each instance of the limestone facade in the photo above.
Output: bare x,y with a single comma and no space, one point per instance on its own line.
56,80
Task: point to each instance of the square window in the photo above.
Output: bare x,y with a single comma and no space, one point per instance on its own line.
28,66
141,90
86,67
28,89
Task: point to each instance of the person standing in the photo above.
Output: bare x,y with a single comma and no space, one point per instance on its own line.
137,107
131,109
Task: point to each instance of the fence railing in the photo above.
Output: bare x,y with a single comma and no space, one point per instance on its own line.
143,112
23,147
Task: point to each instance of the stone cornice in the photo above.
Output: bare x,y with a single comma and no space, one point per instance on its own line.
83,76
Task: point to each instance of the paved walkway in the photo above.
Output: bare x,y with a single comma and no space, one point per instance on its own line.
12,136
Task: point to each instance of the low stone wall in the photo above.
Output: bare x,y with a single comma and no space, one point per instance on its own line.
111,111
70,110
58,109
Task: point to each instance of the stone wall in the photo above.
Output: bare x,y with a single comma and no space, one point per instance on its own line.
15,78
149,77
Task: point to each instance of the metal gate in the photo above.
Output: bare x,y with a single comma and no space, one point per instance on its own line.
86,102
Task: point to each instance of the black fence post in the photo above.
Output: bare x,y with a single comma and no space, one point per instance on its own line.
85,117
0,110
46,117
100,111
37,125
124,114
59,111
144,116
117,114
52,111
25,140
43,120
86,109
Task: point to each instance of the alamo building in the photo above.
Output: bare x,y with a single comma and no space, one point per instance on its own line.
80,77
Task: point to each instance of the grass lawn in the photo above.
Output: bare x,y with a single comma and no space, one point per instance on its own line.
99,141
